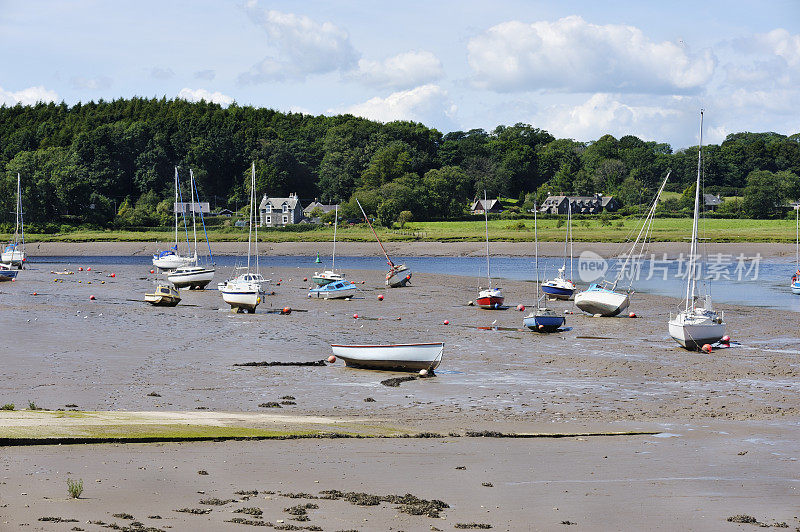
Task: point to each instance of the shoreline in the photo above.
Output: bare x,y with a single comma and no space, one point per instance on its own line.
410,249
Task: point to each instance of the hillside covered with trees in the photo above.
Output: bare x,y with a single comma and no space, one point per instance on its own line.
111,163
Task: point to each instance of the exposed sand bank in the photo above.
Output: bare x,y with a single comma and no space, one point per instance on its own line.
406,249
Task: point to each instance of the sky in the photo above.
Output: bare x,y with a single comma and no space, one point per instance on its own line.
578,69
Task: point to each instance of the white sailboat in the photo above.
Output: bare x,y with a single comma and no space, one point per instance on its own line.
603,298
698,323
490,298
560,287
14,253
170,259
542,319
243,293
330,276
192,275
399,274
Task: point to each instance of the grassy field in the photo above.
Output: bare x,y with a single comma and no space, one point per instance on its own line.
664,229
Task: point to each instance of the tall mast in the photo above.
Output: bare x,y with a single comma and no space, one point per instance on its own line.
388,260
486,219
691,287
175,208
569,235
250,215
536,239
194,222
797,237
256,215
19,210
335,225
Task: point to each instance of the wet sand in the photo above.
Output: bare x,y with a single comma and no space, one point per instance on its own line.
602,374
410,249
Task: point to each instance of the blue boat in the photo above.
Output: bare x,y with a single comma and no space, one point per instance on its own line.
7,273
336,290
544,320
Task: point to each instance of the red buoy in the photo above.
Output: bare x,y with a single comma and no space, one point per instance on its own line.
89,269
380,297
446,322
706,348
355,316
152,271
35,293
632,315
331,359
521,307
113,275
286,310
305,279
91,298
726,339
80,268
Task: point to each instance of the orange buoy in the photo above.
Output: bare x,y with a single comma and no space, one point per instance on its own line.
80,268
380,297
446,322
706,348
331,359
91,298
286,310
398,318
408,277
632,315
541,327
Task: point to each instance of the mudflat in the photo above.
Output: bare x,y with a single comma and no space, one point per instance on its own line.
727,424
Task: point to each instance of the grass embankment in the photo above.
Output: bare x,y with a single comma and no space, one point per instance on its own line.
585,230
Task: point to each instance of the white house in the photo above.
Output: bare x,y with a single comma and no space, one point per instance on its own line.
278,212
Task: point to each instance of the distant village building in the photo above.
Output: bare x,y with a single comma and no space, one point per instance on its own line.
492,206
579,204
711,202
186,207
227,213
314,205
279,212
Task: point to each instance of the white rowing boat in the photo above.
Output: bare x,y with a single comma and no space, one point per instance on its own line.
405,357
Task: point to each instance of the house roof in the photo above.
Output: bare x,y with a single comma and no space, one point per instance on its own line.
487,205
277,203
711,199
315,204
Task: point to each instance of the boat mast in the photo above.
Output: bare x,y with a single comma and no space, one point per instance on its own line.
250,215
536,239
194,222
569,234
335,225
797,237
388,260
691,286
19,209
486,219
175,208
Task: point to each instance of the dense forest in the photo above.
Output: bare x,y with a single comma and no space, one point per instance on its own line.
110,164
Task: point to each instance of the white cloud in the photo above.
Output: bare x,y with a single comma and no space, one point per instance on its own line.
781,43
604,113
765,60
428,104
573,55
29,96
103,82
299,46
408,69
195,95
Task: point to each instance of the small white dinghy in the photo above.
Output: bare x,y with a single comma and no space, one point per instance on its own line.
404,357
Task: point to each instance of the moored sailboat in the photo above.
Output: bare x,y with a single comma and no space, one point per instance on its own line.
560,287
603,298
490,298
170,258
399,274
698,323
14,253
405,357
795,286
330,276
192,275
243,293
542,319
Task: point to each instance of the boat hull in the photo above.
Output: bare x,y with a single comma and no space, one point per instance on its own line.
602,301
694,332
398,277
795,286
159,300
335,290
191,278
490,299
14,257
241,300
545,322
558,292
404,357
326,277
7,274
171,262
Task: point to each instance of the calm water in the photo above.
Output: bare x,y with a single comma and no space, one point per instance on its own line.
769,288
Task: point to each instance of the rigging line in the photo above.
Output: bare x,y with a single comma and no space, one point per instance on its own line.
202,221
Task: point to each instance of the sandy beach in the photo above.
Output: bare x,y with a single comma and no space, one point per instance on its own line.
727,425
408,249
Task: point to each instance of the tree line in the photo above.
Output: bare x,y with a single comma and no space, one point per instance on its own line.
106,164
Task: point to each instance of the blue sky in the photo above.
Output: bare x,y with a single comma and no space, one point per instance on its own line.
577,69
